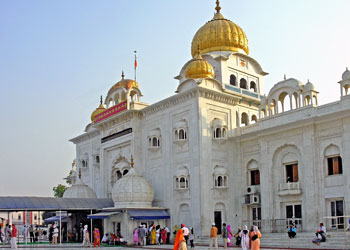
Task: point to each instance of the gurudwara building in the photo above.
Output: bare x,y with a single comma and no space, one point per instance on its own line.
219,149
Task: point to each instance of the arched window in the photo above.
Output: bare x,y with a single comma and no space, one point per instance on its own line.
233,80
224,132
244,119
243,83
181,134
334,161
253,86
220,177
119,175
97,158
217,133
254,119
155,142
181,182
125,172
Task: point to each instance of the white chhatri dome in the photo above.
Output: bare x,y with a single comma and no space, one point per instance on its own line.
79,190
132,191
346,74
309,86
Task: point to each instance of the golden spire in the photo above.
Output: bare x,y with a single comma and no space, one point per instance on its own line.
122,74
132,161
217,8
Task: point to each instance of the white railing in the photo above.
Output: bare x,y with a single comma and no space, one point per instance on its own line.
290,186
337,223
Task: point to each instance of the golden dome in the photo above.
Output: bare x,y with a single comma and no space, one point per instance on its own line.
199,68
220,34
97,111
124,83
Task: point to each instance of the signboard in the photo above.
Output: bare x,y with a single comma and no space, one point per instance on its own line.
111,111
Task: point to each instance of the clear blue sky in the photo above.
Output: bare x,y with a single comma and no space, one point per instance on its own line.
58,57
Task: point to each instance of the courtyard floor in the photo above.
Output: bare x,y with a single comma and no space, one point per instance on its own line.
162,247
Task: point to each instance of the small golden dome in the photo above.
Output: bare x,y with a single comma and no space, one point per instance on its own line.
124,83
97,111
220,34
199,68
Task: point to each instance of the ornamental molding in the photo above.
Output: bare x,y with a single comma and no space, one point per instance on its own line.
119,118
86,136
170,102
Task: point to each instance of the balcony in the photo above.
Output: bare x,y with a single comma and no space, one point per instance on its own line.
289,188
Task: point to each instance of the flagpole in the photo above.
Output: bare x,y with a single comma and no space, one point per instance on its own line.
135,64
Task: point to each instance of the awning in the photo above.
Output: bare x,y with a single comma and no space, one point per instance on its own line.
148,214
54,219
102,215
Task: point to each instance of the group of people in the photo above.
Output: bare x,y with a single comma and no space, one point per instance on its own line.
96,235
154,235
244,238
10,233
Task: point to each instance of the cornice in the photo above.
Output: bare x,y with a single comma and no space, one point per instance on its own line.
85,136
116,119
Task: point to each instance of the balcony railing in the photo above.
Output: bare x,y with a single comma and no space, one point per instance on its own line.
337,223
289,188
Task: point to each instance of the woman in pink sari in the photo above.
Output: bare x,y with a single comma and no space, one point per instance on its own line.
136,237
229,235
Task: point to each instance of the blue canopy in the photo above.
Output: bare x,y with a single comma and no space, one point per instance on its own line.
54,219
148,214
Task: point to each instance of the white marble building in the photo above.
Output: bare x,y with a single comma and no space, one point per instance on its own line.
220,149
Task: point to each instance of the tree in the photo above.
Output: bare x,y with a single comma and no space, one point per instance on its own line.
59,190
69,178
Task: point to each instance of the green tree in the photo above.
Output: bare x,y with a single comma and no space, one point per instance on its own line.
68,178
59,190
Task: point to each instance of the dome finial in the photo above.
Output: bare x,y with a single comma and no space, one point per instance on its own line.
132,161
101,99
217,8
285,77
123,75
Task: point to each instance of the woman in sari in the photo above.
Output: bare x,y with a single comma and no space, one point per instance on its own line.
163,234
180,242
229,235
153,235
255,238
244,234
136,236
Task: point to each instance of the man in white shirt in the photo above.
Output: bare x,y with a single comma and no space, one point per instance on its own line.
186,232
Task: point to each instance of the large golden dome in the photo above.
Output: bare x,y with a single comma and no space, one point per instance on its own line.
220,34
97,111
199,68
124,83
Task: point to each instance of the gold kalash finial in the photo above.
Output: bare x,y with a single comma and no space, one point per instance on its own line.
217,8
132,161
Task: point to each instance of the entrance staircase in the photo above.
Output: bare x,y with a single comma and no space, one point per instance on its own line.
335,240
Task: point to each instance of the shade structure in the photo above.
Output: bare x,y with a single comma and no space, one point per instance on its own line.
14,203
148,214
102,215
54,219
